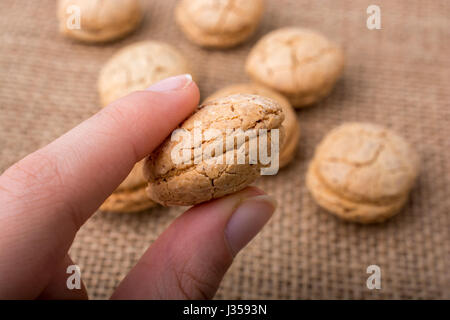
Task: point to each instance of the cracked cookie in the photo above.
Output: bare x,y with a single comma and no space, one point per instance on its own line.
219,24
362,172
290,123
138,66
299,63
210,168
100,20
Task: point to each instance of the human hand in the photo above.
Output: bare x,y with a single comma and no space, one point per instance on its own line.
47,196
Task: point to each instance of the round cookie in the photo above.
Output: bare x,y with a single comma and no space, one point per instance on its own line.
131,195
100,21
362,172
218,24
197,179
138,66
290,123
133,68
128,201
299,63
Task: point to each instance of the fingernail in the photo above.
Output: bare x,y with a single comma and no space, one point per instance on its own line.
172,83
247,220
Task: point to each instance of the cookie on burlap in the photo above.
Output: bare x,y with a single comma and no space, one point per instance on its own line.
100,20
219,24
362,172
201,176
290,123
131,195
299,63
138,66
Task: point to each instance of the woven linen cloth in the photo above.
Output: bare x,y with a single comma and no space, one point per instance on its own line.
398,76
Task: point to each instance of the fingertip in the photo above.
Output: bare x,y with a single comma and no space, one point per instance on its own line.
252,190
193,91
172,83
247,221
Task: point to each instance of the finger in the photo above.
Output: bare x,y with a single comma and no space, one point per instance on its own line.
48,195
85,165
58,289
190,258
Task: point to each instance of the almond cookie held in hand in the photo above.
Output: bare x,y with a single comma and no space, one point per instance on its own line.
218,24
100,21
290,123
301,64
362,172
224,146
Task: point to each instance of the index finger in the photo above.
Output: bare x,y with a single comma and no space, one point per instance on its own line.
47,196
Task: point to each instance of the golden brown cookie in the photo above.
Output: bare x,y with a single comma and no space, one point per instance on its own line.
133,68
218,24
131,195
299,63
138,66
100,20
290,123
362,172
201,177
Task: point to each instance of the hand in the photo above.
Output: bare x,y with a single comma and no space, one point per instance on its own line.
47,196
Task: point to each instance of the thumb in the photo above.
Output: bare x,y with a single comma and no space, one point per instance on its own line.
190,258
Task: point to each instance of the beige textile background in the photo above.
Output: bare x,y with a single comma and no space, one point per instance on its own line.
398,76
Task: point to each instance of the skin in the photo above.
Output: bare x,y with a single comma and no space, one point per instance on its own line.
47,196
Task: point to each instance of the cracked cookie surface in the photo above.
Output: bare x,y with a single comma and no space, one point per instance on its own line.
221,24
201,179
290,123
138,66
299,63
362,172
100,20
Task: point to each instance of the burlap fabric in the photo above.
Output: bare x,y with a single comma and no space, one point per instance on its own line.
398,76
